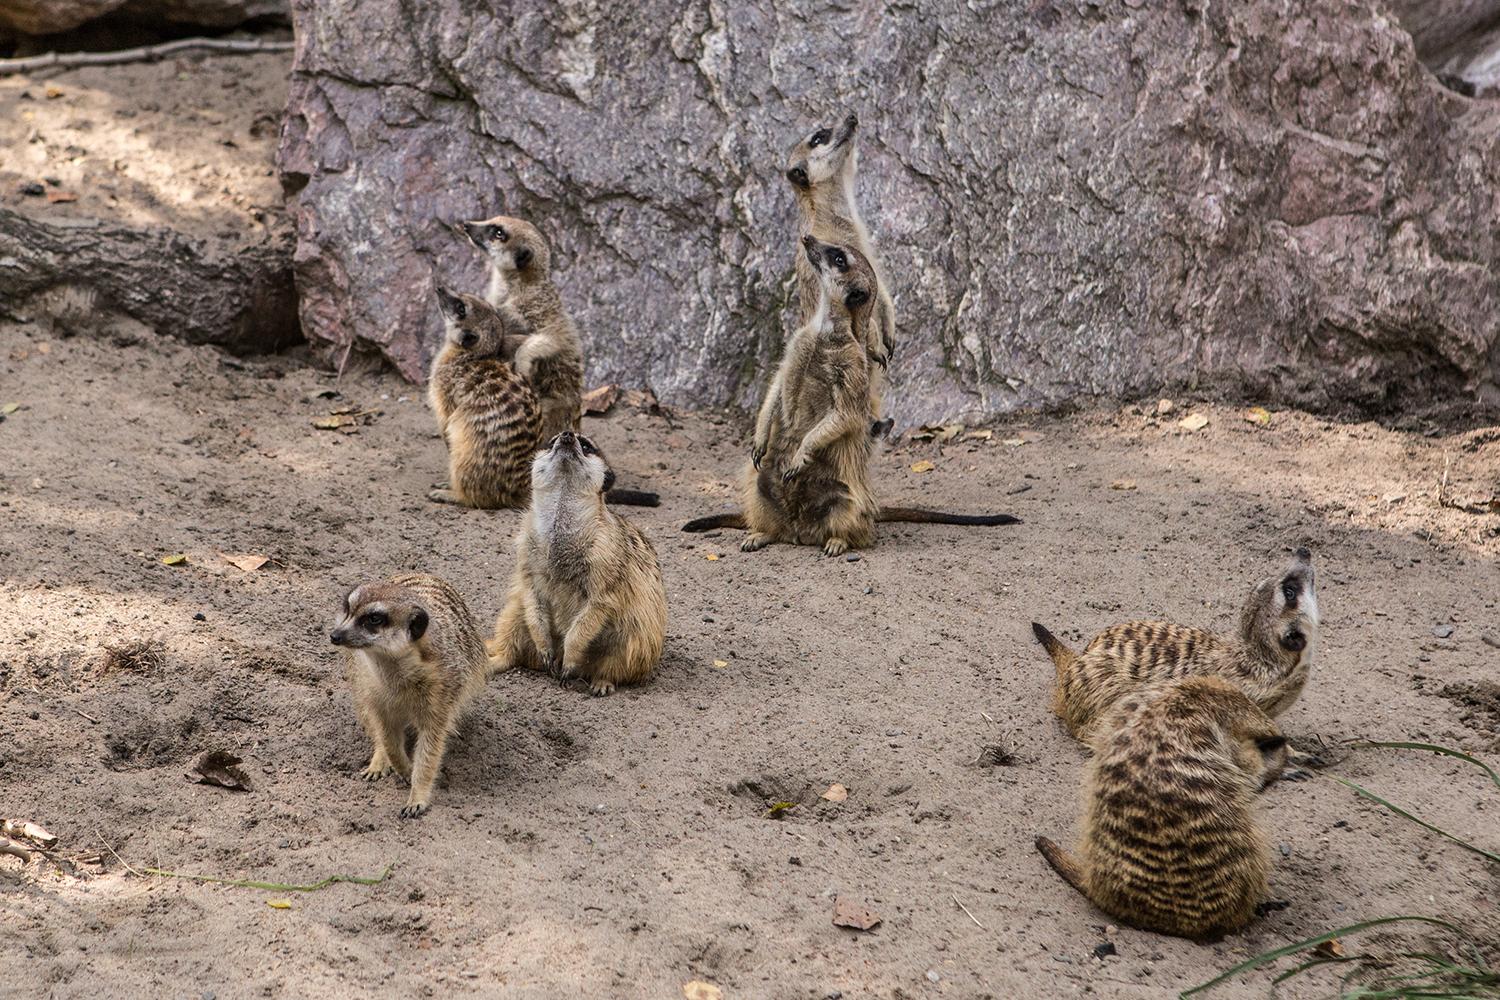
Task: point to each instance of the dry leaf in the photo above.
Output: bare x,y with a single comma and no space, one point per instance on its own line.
332,423
720,664
597,401
10,408
1258,415
836,793
1193,422
984,435
1013,442
921,467
1332,948
697,989
175,559
219,767
712,557
279,904
1393,497
53,93
44,348
848,913
1122,484
244,560
1164,406
54,196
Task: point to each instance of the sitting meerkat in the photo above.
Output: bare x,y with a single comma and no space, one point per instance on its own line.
416,660
487,414
1169,841
587,599
1269,658
821,168
808,478
549,356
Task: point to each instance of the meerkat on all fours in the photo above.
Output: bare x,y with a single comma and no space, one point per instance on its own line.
550,356
416,660
486,412
808,479
1169,837
821,168
1269,657
587,598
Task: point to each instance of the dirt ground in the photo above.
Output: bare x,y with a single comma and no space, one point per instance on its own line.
622,847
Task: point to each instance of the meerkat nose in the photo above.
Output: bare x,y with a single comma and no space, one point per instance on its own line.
852,122
338,637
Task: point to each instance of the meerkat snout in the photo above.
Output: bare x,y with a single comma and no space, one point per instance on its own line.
798,176
482,234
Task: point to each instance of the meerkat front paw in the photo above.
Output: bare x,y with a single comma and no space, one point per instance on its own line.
444,496
754,542
835,547
413,809
793,467
601,688
757,452
378,768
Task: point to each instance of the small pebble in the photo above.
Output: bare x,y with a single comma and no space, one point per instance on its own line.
852,557
932,976
869,590
1442,631
1286,850
1104,948
33,189
200,617
1490,640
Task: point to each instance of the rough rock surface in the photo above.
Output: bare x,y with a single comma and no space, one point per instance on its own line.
45,17
1074,199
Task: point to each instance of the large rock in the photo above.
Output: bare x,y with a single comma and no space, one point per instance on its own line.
1074,199
45,17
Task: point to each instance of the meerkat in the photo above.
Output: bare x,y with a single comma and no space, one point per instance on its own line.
821,168
486,412
416,660
1169,840
587,598
808,478
550,356
1269,658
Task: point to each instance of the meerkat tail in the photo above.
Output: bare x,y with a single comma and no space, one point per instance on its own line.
1062,863
917,515
715,521
633,498
1061,655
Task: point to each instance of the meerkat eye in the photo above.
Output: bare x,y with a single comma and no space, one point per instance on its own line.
587,446
497,234
1289,591
841,262
373,620
819,137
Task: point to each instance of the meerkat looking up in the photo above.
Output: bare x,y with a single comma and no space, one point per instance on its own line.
587,598
1169,837
550,357
486,412
808,478
821,168
1269,657
415,661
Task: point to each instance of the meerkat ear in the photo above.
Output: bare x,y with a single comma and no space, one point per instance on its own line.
1270,744
418,624
856,297
452,306
523,257
347,597
609,479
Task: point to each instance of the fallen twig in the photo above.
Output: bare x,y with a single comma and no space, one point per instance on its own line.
27,831
145,53
123,863
276,886
79,711
8,846
969,915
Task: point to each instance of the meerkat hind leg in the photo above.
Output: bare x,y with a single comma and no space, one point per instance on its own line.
755,541
442,494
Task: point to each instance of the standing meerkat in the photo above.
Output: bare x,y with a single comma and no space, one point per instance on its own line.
808,478
587,598
550,356
416,660
1169,840
821,168
1269,658
486,412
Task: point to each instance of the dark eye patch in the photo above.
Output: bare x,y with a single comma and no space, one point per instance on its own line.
1289,590
374,620
587,446
820,137
497,234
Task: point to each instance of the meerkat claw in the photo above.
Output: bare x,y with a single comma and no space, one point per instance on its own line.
413,809
599,689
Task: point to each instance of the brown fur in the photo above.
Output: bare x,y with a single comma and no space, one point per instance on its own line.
1169,841
418,669
487,414
587,598
822,175
1259,658
550,356
808,482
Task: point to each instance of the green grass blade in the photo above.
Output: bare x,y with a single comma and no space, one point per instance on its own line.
1433,748
1312,942
1366,793
276,886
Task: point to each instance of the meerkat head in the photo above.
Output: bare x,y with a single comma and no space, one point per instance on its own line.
845,275
571,461
1280,619
823,154
514,246
1256,747
379,616
470,322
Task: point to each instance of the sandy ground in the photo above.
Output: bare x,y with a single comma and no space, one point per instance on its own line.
621,846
